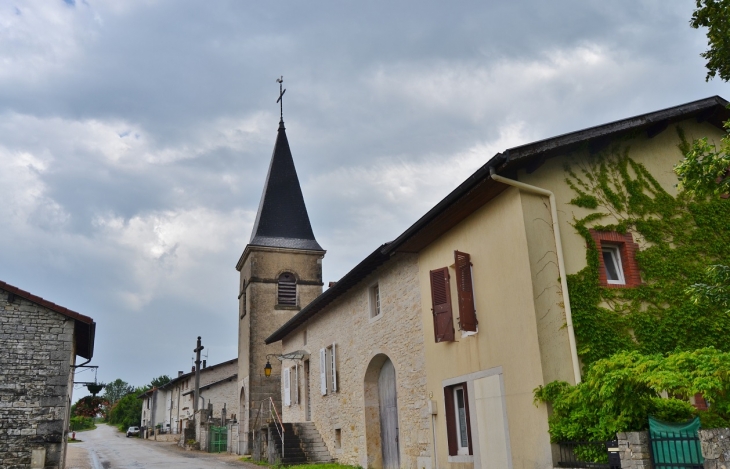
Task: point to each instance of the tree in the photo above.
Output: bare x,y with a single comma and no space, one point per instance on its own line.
160,381
90,406
705,169
116,390
127,412
715,16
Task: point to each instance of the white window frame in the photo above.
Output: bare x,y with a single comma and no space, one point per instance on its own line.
287,386
323,371
463,446
328,369
615,252
374,301
333,359
295,385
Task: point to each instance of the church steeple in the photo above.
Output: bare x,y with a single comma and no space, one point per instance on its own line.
282,220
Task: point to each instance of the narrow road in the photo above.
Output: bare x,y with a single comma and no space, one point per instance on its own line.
106,448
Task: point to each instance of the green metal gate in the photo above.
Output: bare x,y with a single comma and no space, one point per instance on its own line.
218,437
675,445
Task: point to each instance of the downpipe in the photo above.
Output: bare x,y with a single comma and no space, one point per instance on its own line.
561,263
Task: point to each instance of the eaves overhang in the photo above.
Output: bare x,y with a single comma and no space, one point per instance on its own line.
349,280
84,326
480,188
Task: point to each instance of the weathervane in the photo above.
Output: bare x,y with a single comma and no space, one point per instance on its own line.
282,90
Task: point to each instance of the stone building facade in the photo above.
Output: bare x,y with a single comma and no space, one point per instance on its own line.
39,342
363,332
177,395
280,272
482,277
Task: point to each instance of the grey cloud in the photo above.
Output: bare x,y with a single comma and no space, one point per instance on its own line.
373,88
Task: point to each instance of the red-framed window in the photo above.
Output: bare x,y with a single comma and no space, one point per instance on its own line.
617,259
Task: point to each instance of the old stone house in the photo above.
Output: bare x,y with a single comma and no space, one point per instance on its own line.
171,405
153,411
426,353
39,343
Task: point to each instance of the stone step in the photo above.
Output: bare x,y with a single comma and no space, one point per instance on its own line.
318,456
314,446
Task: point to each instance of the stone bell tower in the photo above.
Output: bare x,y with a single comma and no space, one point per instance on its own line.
280,273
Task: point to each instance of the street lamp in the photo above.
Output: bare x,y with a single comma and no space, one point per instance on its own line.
298,355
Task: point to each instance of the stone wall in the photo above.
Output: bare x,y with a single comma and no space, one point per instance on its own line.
260,315
716,447
36,352
634,450
220,394
233,437
348,418
181,397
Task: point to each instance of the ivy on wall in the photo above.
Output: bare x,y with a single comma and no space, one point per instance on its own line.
679,237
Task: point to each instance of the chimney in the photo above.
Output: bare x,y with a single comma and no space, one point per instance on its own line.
192,369
204,364
179,373
332,284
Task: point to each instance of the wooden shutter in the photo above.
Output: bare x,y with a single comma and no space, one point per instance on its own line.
287,386
287,289
443,322
465,288
323,370
295,385
334,370
468,420
450,413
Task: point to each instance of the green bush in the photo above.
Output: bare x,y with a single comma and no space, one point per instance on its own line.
79,423
619,393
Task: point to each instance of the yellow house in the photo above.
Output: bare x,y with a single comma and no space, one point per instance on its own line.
488,268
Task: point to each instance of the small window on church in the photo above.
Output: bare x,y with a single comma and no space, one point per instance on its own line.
287,289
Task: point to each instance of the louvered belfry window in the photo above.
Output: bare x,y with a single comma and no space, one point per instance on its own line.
287,289
443,323
465,287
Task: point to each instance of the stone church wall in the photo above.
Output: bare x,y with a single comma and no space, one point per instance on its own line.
36,350
348,419
259,317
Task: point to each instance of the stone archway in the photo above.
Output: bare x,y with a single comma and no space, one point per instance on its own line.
381,414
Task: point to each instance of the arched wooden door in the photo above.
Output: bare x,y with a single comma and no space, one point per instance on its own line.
388,416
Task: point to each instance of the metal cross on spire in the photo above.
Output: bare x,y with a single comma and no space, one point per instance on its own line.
282,90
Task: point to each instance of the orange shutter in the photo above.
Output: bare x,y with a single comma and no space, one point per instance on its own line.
465,288
443,323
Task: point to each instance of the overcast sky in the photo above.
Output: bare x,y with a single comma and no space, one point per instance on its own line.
135,135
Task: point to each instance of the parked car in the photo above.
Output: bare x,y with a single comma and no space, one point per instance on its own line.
132,431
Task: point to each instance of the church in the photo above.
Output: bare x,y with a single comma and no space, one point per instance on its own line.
280,272
427,352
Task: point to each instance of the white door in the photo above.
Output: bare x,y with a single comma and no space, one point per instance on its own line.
493,444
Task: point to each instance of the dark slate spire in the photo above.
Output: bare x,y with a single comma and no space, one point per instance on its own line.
282,220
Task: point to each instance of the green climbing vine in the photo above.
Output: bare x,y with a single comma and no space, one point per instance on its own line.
679,237
667,336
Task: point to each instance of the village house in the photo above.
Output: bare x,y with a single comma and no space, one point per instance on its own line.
40,341
170,406
426,354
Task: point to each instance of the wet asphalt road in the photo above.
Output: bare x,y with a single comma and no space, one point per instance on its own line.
107,448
